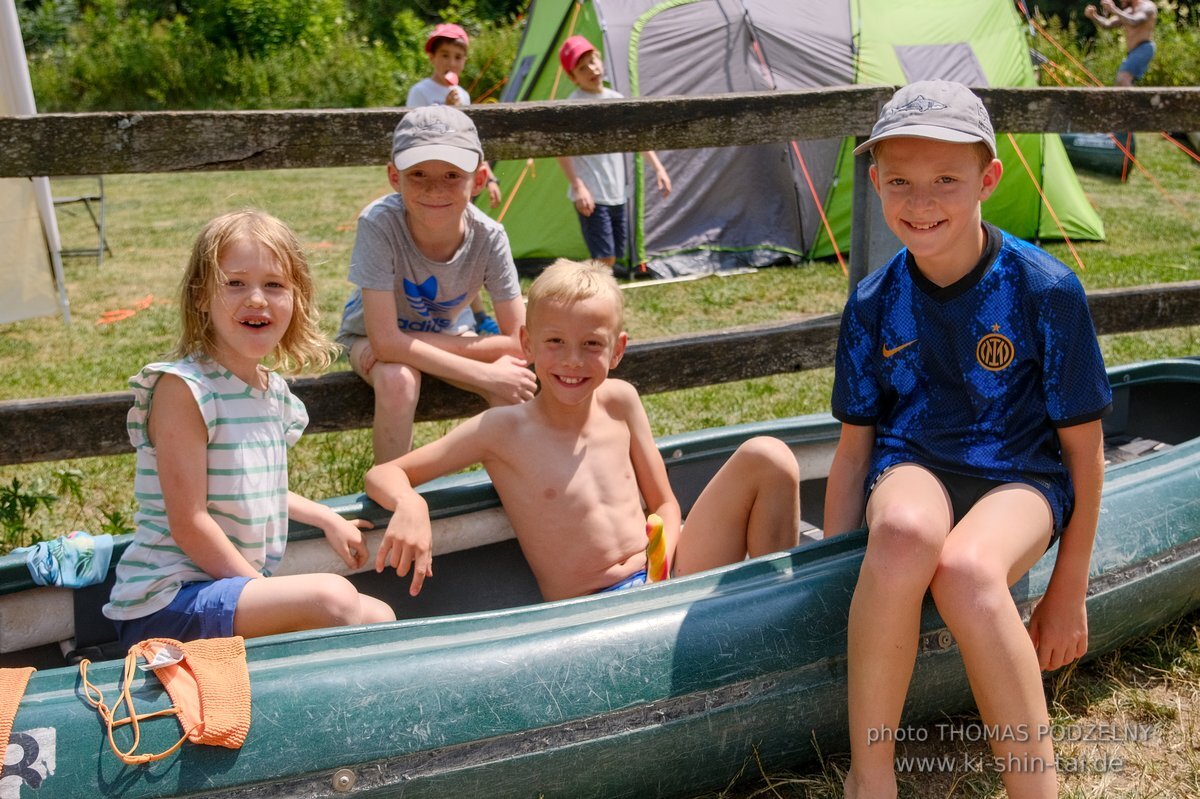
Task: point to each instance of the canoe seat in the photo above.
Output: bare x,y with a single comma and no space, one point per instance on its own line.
1122,448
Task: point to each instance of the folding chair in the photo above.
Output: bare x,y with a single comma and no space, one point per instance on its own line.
94,203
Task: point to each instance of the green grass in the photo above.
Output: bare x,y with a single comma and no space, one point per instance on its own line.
152,219
1153,237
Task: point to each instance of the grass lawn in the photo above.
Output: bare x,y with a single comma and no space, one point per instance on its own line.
1153,235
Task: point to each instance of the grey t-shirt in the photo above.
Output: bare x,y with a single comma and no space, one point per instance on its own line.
429,294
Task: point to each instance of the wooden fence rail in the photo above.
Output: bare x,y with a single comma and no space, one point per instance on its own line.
181,141
53,429
111,143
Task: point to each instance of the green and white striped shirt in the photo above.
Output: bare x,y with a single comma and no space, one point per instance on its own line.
249,432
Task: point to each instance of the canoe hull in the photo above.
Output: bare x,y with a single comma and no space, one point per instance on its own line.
665,690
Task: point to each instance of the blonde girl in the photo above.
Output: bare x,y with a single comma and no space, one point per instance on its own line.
211,430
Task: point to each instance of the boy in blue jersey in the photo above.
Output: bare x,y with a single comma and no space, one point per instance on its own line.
970,388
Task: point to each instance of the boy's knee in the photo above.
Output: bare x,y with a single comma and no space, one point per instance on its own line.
397,386
968,582
770,456
905,531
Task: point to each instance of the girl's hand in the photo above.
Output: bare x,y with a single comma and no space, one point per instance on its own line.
346,539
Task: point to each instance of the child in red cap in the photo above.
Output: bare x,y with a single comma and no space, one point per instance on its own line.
447,50
596,183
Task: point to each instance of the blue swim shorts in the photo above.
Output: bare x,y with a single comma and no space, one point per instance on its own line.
635,579
200,610
1137,61
605,231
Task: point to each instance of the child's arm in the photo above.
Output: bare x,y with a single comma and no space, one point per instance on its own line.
648,465
1104,22
1058,626
1136,16
493,186
584,203
344,537
408,540
844,493
180,438
474,362
660,172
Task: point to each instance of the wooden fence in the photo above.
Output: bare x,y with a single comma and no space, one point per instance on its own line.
110,143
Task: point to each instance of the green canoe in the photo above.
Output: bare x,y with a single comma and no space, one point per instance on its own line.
663,690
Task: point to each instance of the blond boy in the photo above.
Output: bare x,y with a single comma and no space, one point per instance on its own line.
577,468
420,256
970,388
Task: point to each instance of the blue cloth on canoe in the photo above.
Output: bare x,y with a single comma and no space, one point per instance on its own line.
72,561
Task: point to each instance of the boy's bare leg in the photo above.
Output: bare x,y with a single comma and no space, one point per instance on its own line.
751,506
999,540
272,605
909,517
397,389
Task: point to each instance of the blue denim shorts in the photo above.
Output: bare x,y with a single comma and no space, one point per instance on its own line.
633,580
1138,60
200,610
605,231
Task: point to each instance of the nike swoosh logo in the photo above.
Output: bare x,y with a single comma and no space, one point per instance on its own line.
887,353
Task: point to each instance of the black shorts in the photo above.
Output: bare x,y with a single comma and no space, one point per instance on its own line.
964,490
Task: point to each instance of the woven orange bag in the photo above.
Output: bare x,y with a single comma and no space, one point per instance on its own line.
12,688
208,682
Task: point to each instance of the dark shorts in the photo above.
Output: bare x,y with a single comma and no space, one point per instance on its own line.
965,490
1137,61
199,610
605,231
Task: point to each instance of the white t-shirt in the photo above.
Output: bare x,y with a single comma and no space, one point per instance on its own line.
602,173
429,92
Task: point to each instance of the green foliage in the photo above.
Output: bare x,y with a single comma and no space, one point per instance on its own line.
47,23
121,55
18,503
259,27
1176,61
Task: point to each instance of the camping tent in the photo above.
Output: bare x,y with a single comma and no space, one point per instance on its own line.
752,206
32,269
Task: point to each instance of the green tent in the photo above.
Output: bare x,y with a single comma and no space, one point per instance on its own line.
754,206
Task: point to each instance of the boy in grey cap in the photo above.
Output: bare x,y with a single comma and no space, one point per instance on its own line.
970,388
420,256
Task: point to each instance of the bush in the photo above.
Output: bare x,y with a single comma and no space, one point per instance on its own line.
126,55
1176,62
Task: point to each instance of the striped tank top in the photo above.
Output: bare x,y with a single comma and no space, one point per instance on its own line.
249,432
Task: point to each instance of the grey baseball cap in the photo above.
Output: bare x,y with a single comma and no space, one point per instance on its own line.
941,110
436,133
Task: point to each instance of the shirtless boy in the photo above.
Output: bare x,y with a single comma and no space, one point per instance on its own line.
577,468
1137,17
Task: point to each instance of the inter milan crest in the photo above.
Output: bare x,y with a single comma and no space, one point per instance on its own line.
994,351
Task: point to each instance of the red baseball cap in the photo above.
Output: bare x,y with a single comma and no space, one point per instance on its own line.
572,52
447,30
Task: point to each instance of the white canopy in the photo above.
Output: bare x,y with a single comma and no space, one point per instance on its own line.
30,263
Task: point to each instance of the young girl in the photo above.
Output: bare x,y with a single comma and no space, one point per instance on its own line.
211,430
